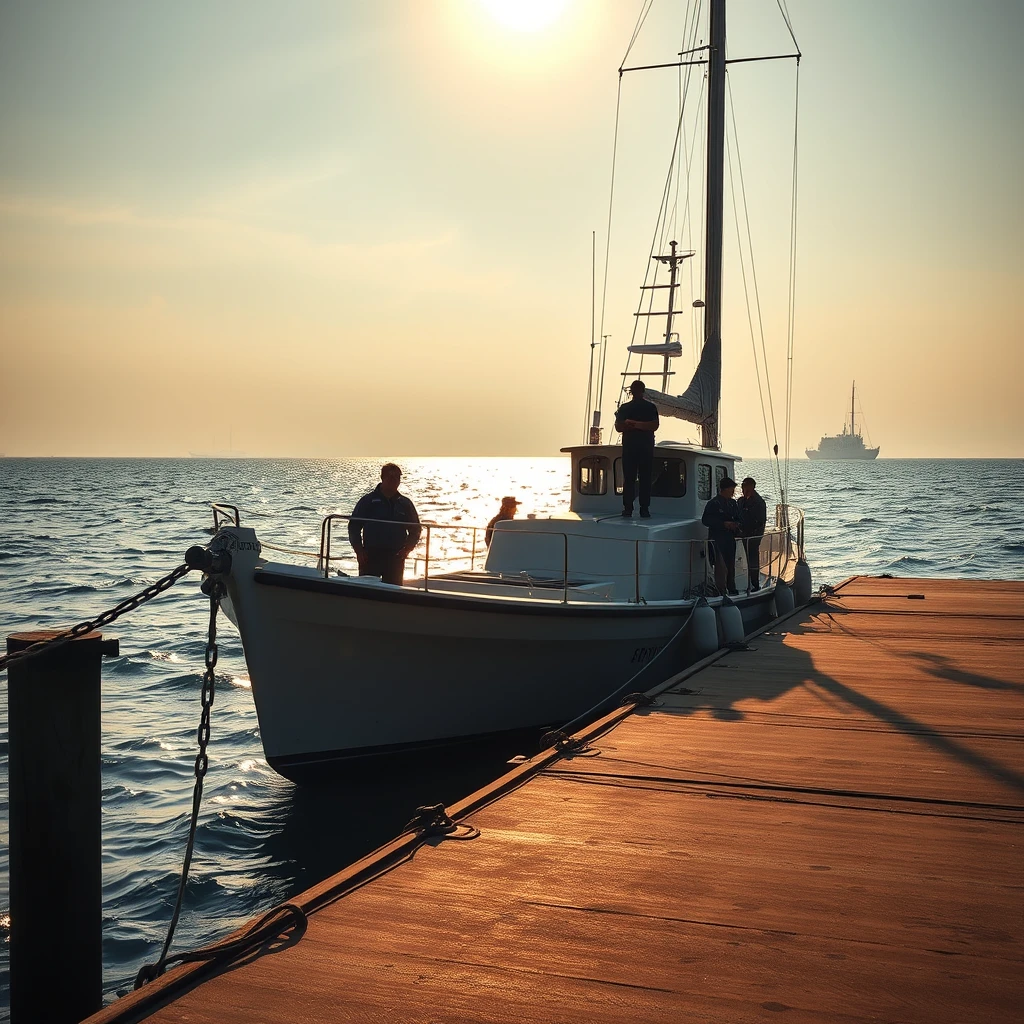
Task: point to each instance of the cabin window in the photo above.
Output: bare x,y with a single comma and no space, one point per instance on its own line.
720,474
593,475
703,481
668,478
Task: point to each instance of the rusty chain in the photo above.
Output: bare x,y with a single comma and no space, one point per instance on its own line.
129,604
216,590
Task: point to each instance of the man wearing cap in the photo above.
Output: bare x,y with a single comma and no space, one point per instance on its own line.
507,511
384,528
722,518
637,420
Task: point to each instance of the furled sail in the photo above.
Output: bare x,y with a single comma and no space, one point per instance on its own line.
699,402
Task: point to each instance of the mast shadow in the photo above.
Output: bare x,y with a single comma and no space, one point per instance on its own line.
734,700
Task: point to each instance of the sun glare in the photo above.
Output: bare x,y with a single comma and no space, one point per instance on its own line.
525,15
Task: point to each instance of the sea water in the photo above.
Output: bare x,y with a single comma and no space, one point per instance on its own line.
77,536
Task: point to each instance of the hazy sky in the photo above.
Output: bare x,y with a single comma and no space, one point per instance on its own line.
363,227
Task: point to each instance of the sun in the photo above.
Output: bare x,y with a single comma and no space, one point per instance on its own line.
525,15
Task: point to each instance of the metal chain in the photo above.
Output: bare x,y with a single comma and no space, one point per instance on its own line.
129,604
216,590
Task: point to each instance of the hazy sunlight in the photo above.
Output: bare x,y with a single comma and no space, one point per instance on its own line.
525,15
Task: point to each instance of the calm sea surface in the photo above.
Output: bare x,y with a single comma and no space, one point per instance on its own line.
79,535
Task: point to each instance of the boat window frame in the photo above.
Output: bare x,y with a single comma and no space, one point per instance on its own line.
619,476
593,462
666,459
704,477
721,472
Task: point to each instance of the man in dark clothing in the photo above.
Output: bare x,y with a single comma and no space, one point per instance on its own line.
384,528
753,518
637,420
722,518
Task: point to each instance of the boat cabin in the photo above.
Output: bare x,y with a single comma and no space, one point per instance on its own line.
592,553
684,478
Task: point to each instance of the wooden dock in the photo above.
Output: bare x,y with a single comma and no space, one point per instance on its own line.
826,827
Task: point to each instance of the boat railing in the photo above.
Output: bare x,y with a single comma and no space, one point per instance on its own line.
791,519
223,513
442,544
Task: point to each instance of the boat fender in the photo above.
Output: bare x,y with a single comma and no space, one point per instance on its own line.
802,582
703,629
731,622
784,602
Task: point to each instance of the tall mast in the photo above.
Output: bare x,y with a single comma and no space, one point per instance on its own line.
715,206
853,393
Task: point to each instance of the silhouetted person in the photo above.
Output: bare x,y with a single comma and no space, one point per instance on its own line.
384,528
507,511
753,519
722,518
638,420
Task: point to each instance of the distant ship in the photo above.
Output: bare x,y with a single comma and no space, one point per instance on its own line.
847,445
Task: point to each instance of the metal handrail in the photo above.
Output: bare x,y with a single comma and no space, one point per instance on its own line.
785,516
225,510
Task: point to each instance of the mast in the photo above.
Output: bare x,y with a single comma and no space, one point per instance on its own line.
853,393
715,208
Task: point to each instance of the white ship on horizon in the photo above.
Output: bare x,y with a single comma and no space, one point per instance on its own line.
847,445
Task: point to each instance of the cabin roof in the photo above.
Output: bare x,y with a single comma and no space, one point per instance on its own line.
663,446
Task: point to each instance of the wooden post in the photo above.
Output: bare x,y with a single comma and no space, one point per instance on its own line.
53,709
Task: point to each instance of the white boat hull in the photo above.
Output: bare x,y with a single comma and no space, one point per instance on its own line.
348,669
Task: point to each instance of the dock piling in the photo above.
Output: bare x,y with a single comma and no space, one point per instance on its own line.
53,702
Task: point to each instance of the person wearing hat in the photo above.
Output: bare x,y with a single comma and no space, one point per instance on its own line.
637,420
507,511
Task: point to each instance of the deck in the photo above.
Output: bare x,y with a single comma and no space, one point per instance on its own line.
827,827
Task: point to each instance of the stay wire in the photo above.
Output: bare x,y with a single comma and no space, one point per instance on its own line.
661,225
608,240
645,9
773,433
792,276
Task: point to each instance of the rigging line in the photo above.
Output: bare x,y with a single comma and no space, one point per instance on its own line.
590,375
743,276
607,247
789,24
662,217
792,274
645,9
757,294
683,80
687,212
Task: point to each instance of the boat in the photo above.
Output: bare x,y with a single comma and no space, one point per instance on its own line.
847,445
554,621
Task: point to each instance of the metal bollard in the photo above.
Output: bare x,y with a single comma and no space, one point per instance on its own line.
53,707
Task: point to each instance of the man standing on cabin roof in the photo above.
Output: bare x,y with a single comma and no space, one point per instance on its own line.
384,528
637,420
753,518
722,518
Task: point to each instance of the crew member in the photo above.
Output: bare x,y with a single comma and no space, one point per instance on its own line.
753,518
637,420
722,518
384,528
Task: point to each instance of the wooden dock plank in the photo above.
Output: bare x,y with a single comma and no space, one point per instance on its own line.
831,829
